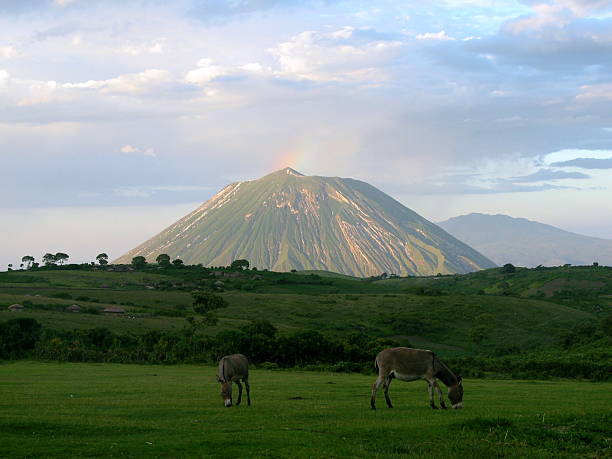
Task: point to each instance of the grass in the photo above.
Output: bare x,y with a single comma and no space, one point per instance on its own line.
104,410
388,308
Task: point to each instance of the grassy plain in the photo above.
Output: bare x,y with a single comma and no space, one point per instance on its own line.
107,410
159,299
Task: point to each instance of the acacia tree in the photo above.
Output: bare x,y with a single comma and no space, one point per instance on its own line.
205,303
163,259
102,259
139,262
61,257
240,264
28,260
48,259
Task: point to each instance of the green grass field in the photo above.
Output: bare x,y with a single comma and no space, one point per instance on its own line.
105,410
336,307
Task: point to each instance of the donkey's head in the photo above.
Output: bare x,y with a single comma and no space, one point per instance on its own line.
226,392
455,394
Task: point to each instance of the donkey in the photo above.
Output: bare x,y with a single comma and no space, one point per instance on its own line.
233,368
411,364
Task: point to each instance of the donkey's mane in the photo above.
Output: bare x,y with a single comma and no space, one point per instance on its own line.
444,374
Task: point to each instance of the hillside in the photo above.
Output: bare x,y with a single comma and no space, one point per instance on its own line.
440,313
286,221
523,242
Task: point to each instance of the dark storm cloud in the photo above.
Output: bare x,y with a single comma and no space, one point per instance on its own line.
585,163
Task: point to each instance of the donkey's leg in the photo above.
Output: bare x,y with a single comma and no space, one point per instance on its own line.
440,396
430,392
386,388
248,390
379,382
239,393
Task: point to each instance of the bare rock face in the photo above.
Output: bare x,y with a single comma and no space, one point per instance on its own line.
286,221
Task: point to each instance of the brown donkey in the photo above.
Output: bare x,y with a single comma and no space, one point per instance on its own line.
411,364
233,368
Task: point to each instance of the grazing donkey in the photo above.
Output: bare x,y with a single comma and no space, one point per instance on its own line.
411,364
233,368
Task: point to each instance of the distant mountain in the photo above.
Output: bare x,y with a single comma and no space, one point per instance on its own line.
286,221
523,242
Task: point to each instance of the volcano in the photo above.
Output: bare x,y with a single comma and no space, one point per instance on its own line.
287,220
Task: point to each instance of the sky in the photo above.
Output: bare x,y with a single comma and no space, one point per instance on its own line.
118,117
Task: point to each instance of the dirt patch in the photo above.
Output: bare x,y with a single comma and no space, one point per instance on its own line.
555,285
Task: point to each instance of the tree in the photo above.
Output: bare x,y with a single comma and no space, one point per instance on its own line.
178,262
163,259
205,303
139,262
48,259
61,257
240,264
102,259
28,260
508,268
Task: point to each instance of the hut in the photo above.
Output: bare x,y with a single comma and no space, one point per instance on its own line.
114,310
15,307
73,308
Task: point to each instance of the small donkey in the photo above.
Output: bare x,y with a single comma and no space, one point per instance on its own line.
233,368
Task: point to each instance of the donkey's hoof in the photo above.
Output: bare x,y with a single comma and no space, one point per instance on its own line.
434,407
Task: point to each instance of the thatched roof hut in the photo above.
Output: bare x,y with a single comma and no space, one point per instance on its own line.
73,308
114,310
16,307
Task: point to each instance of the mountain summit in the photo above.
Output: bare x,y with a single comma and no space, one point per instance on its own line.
287,220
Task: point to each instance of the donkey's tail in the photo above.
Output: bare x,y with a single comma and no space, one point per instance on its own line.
376,363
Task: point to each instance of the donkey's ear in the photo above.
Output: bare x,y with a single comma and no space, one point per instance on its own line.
459,379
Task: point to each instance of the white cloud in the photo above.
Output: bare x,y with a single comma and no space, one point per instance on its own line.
7,52
128,83
4,78
595,92
441,35
129,149
64,3
336,56
556,14
156,47
206,72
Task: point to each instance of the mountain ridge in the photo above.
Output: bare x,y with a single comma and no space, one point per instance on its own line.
286,220
524,242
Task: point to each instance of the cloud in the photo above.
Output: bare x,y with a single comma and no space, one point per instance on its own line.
4,78
207,10
585,163
595,92
543,175
64,3
206,72
129,149
155,47
7,52
128,83
441,35
346,54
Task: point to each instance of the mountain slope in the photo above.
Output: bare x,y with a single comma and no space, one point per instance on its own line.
286,220
523,242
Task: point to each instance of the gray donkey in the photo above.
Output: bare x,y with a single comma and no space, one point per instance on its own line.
233,368
411,364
